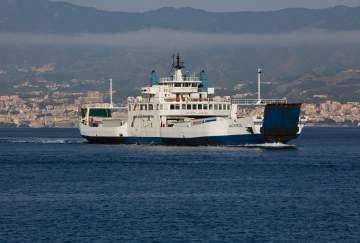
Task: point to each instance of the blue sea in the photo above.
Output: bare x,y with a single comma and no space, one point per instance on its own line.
54,187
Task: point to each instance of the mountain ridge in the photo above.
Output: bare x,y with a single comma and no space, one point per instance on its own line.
62,17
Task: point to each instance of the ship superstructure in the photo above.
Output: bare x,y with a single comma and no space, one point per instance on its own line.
183,110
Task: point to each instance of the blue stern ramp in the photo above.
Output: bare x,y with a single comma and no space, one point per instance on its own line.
281,122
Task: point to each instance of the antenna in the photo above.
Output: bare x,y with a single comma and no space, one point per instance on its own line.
259,85
111,93
179,64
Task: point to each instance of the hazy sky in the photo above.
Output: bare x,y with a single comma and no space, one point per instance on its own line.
212,5
157,38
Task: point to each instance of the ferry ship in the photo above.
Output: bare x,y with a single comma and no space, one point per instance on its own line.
183,110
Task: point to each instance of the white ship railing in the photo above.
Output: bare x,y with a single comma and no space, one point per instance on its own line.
103,106
239,101
188,100
96,105
184,78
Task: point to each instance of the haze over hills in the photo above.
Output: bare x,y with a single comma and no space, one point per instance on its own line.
304,53
61,17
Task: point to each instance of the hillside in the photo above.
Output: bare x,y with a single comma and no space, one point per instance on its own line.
61,17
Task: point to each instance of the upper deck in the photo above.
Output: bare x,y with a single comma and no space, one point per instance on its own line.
186,95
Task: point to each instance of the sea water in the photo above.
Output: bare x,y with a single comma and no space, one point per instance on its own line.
54,187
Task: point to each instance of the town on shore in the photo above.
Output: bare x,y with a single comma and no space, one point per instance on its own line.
61,109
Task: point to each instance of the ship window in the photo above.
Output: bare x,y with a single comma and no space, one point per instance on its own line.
194,106
228,107
151,107
161,107
142,107
188,106
177,85
210,106
220,107
186,85
216,107
100,112
199,106
194,85
205,106
183,106
224,107
157,106
177,106
172,107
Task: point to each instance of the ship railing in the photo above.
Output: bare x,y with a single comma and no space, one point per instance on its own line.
239,101
180,100
133,100
103,106
184,78
189,100
96,105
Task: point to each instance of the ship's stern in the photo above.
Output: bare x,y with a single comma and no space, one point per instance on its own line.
281,122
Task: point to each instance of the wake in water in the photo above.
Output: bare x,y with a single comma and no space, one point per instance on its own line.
37,140
268,145
43,140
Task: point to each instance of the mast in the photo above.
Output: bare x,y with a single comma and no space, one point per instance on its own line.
178,66
111,93
259,85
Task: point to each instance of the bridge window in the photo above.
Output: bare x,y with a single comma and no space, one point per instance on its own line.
224,107
183,106
216,107
100,112
143,107
205,106
210,106
228,107
188,106
220,107
199,106
151,107
172,107
161,107
177,85
194,106
177,107
194,84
